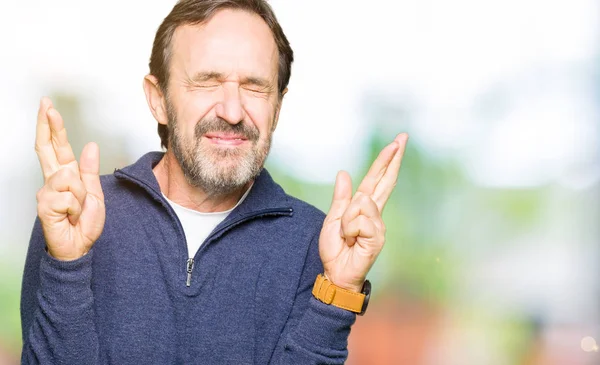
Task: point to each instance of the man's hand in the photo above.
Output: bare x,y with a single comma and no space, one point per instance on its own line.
71,203
353,233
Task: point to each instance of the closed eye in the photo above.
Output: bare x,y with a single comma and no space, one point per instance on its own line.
206,86
257,85
256,89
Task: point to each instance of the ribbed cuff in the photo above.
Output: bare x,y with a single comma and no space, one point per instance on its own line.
66,284
326,326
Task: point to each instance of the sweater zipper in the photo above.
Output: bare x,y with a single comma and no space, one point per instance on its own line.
189,267
189,264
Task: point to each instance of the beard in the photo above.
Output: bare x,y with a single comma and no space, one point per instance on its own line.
218,170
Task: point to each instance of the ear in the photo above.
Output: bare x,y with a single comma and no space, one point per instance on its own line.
156,100
278,109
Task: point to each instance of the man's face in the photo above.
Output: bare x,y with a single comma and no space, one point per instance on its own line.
223,101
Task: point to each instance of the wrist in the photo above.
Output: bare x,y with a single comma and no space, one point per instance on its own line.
353,287
65,258
331,294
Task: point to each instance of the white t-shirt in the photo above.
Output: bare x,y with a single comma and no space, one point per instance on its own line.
197,225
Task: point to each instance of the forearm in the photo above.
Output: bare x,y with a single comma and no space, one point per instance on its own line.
315,333
321,336
62,328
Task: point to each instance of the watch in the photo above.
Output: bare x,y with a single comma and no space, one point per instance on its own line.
329,293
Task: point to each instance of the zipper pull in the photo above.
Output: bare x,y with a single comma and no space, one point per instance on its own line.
189,267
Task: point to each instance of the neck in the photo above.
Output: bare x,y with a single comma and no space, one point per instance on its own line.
175,187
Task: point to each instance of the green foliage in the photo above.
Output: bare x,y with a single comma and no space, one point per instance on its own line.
81,131
418,257
318,195
10,324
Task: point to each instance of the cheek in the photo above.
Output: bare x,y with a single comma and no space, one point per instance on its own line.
191,109
261,114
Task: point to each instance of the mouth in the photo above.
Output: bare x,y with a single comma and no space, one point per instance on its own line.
225,139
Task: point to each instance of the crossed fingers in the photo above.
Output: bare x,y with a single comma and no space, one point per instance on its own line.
51,143
383,174
362,218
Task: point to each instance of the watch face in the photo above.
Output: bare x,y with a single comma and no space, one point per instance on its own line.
366,290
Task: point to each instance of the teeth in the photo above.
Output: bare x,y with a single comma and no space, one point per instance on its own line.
235,139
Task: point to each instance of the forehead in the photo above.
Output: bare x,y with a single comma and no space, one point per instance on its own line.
231,42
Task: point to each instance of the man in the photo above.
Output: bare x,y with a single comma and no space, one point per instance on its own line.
196,255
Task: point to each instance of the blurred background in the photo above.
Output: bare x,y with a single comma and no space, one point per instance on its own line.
492,254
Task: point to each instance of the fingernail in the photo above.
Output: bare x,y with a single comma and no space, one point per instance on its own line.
45,101
402,137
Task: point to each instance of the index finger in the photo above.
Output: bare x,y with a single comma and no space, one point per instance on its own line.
377,169
388,181
60,142
43,140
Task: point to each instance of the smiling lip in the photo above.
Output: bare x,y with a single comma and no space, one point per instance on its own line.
225,139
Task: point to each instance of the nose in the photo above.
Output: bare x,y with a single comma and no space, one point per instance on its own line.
230,108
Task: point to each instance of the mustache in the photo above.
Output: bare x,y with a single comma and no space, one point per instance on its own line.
217,124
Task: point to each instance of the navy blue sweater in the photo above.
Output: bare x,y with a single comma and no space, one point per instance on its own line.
127,301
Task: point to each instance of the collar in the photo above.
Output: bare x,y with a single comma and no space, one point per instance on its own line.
264,195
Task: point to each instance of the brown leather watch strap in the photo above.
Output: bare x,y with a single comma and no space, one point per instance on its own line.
329,293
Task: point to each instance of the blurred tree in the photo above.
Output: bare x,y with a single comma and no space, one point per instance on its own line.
113,153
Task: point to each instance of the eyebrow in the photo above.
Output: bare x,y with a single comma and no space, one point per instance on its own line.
206,76
213,75
258,81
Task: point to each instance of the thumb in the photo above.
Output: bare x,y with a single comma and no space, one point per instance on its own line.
89,167
342,195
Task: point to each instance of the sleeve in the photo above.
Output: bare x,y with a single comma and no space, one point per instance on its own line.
315,333
57,307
